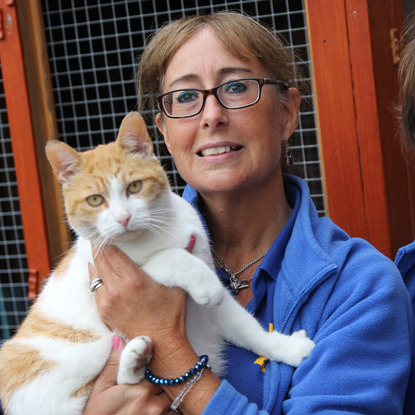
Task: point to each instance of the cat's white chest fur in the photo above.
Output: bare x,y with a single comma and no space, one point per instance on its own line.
62,346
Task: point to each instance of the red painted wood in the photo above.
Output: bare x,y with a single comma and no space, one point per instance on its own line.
333,89
21,131
367,183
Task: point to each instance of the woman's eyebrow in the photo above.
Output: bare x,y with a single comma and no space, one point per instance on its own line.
194,77
232,70
184,78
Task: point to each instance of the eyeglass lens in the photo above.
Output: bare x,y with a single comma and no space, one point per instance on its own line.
232,95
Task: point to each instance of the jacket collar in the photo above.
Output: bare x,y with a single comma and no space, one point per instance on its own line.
306,260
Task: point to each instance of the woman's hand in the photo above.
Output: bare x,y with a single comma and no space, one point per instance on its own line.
109,398
132,303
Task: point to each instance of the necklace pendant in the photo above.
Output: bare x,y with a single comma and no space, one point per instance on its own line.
237,285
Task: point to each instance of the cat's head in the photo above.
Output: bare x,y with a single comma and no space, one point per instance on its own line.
111,192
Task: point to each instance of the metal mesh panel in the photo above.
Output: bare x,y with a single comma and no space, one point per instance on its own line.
92,49
13,264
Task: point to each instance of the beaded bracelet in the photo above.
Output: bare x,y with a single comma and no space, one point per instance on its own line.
197,368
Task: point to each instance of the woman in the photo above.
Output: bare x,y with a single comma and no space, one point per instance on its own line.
347,296
405,258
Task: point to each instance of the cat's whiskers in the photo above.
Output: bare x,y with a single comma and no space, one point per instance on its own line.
158,225
98,240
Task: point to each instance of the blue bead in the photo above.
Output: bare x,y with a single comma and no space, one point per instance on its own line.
202,363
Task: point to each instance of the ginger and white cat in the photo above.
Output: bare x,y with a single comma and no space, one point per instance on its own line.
119,194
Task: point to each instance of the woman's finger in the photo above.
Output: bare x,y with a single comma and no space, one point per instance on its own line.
108,375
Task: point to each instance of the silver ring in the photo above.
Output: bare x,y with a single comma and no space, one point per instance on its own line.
95,284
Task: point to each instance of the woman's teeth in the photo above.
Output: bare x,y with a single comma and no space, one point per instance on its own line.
214,151
218,150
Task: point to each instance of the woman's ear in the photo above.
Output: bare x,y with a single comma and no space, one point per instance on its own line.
291,108
161,125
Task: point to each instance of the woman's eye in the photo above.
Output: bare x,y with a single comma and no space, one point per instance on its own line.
236,87
186,97
95,200
134,187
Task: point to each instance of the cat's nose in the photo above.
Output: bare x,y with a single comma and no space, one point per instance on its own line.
123,219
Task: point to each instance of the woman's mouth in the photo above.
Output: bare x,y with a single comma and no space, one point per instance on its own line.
214,151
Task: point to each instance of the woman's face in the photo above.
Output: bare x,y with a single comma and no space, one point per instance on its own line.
252,136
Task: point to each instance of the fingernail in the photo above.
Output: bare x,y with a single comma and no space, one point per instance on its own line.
115,342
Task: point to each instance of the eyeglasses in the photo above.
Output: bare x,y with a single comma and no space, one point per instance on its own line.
232,95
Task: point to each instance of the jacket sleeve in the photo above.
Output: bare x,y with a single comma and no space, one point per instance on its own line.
227,400
361,322
361,361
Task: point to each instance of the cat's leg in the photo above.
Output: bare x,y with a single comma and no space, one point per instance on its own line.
175,267
134,359
240,328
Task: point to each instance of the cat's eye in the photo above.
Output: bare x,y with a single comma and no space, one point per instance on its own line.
134,187
95,200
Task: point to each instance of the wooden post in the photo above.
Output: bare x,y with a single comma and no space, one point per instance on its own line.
355,82
21,130
42,110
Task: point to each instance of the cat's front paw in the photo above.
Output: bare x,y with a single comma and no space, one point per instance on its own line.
134,359
208,292
300,346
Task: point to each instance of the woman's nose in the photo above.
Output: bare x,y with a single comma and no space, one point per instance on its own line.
213,113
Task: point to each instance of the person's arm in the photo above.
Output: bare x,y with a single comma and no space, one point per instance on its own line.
130,302
361,360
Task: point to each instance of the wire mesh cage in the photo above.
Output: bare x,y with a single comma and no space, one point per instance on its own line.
13,264
93,47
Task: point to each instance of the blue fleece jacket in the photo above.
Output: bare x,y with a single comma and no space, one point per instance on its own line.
405,261
352,302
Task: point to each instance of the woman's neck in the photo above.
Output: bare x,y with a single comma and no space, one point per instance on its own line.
244,225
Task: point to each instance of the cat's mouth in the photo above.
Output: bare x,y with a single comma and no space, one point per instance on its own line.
126,235
214,151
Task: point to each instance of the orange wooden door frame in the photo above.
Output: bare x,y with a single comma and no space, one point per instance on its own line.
24,152
355,84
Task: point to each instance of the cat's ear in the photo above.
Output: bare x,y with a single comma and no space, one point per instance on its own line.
133,136
64,160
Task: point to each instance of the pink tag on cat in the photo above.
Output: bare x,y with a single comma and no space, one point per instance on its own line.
191,244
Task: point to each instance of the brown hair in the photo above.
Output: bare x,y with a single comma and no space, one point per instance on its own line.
407,80
240,35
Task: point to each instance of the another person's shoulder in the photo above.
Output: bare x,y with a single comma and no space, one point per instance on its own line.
405,261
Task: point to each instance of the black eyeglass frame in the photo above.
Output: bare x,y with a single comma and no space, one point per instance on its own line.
214,91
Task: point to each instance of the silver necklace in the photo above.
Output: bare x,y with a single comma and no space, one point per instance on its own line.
234,283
